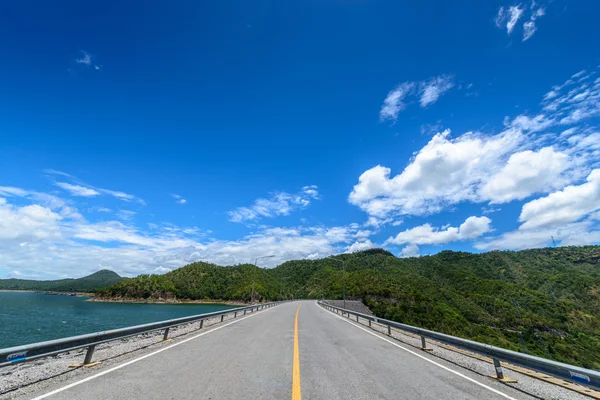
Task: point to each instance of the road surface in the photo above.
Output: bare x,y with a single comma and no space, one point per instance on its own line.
292,351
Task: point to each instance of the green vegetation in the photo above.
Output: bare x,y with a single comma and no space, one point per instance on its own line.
544,302
88,283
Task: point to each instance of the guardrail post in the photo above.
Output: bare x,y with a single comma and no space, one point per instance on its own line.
201,323
498,367
424,344
235,314
357,318
166,335
389,330
89,355
500,373
222,316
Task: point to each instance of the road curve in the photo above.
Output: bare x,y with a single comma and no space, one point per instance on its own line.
253,358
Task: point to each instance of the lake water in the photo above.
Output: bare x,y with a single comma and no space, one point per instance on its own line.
27,317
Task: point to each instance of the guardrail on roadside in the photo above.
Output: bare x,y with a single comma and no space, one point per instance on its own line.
28,352
565,371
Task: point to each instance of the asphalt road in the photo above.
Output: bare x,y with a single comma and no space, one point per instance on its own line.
253,358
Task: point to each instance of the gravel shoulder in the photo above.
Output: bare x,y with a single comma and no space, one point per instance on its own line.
24,379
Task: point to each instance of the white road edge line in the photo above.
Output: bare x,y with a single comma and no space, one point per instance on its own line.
420,356
89,378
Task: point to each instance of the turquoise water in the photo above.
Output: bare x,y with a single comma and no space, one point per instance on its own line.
27,317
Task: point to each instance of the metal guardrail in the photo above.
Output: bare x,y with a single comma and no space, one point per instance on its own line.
572,373
28,352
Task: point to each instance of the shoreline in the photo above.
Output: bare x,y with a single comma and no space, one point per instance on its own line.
48,292
163,301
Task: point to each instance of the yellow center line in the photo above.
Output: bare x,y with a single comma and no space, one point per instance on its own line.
296,394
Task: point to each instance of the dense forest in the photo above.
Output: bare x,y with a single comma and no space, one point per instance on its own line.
88,283
544,302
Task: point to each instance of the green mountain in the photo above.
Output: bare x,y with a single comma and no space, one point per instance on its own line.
88,283
544,302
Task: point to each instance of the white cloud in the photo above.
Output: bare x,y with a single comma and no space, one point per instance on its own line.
428,92
434,88
77,190
410,250
568,205
573,234
509,17
531,124
81,188
86,58
360,245
126,215
526,173
529,27
311,191
445,171
28,223
394,102
35,239
51,202
379,222
472,228
280,203
522,160
179,199
122,196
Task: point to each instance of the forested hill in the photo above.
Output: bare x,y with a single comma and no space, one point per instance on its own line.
544,302
88,283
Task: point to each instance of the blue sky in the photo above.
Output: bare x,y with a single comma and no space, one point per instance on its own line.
143,136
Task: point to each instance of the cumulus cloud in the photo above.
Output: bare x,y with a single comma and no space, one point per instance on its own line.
428,92
410,250
32,222
472,228
445,171
360,245
522,160
568,217
525,173
564,206
280,203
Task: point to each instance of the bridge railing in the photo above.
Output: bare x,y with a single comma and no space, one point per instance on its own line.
580,375
28,352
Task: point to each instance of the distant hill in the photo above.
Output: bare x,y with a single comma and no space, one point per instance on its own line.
544,302
88,283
